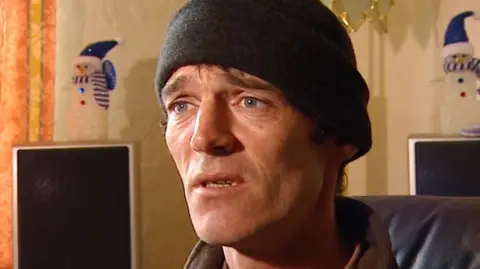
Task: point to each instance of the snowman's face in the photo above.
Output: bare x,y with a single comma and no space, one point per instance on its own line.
84,66
460,58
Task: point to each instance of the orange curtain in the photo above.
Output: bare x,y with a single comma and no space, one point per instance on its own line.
27,48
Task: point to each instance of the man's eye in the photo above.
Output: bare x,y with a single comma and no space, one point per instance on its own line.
250,102
180,107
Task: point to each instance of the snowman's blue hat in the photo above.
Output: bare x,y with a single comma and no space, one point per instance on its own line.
456,38
100,49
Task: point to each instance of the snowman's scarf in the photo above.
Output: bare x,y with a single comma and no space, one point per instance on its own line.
99,83
451,66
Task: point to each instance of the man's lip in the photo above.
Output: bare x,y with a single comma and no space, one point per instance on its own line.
202,179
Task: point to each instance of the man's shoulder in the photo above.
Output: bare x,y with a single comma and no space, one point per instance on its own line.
360,223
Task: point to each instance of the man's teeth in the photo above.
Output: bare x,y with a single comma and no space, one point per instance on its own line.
219,184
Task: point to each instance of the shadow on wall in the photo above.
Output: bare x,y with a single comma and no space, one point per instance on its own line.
376,164
425,15
418,16
141,105
165,224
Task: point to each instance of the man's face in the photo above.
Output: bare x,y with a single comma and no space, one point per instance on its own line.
245,156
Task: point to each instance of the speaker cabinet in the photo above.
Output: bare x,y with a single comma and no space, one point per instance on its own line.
444,165
74,206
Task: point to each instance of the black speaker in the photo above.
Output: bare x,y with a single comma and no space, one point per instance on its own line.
444,165
74,206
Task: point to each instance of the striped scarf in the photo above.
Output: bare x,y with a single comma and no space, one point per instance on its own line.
100,90
451,66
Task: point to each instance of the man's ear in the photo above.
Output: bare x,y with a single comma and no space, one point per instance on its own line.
348,150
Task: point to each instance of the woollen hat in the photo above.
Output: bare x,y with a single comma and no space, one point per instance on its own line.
100,49
456,39
299,46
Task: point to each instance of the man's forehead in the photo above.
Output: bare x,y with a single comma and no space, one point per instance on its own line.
192,71
186,74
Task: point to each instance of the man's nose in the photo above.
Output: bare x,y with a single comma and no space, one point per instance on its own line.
213,133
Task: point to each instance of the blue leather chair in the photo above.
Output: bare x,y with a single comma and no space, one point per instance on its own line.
431,232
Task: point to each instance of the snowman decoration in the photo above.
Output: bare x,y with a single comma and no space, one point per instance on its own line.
462,75
93,79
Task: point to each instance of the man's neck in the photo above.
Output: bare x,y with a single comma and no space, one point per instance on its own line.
317,245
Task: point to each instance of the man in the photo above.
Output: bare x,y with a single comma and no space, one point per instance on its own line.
264,109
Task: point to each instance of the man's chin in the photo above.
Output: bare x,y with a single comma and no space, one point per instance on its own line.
221,238
224,234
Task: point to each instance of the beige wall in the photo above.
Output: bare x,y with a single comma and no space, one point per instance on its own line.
399,67
403,68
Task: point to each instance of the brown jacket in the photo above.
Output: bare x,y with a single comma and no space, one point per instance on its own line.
355,219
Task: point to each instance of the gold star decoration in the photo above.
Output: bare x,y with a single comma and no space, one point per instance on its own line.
354,13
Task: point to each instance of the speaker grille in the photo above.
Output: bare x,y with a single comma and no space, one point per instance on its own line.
447,168
73,208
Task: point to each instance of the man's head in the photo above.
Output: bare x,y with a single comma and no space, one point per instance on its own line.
264,107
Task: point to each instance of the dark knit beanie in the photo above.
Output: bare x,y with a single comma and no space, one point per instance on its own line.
299,46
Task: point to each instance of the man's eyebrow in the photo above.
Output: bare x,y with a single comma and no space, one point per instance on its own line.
171,88
245,82
234,79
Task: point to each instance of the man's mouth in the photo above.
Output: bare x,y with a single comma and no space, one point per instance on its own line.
216,181
219,183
